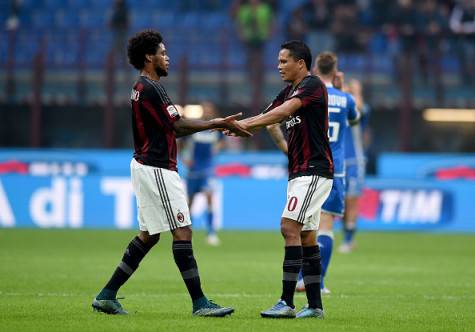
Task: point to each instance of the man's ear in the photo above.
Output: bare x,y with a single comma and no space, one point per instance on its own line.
148,57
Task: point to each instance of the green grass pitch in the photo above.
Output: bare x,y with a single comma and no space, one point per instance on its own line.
393,282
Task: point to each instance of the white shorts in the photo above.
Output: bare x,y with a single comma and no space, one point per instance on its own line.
305,197
161,199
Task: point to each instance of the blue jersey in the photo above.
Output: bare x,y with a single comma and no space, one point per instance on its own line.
201,149
354,151
341,109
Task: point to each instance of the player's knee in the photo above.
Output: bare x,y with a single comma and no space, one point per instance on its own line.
182,234
308,238
289,231
149,240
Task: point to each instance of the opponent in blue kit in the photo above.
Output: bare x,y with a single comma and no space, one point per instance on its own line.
200,149
355,166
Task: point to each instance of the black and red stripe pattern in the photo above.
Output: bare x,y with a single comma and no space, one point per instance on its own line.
153,115
309,148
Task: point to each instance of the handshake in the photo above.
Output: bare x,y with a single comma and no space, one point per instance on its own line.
230,126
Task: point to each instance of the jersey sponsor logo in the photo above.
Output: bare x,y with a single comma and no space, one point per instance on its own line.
171,109
411,207
293,121
135,95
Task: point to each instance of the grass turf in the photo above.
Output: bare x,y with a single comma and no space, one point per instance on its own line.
394,281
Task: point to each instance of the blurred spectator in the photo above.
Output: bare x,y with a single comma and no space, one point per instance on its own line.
296,26
254,23
119,24
346,27
13,21
318,19
462,23
431,28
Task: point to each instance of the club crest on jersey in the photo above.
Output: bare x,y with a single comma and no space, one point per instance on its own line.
292,122
172,111
135,95
180,217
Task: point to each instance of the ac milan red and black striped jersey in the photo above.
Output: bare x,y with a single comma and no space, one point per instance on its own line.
308,145
153,115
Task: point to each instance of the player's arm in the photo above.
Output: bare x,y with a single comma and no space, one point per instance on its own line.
184,127
354,115
278,137
276,115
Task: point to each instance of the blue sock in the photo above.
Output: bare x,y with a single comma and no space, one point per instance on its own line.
348,234
325,242
209,220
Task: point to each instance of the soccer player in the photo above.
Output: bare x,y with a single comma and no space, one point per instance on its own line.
342,110
302,105
200,151
161,200
355,167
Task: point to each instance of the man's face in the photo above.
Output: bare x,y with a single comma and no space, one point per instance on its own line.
288,67
161,61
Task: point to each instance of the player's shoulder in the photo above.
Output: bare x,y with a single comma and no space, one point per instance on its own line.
312,81
143,85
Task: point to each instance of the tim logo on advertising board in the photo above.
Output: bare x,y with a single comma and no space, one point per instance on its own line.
406,207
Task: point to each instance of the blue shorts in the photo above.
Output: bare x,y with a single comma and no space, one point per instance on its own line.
335,203
354,180
196,185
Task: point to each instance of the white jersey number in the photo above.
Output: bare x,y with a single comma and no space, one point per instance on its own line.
333,126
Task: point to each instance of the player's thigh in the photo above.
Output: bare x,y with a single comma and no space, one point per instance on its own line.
305,196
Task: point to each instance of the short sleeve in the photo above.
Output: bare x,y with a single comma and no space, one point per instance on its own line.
157,103
311,92
172,113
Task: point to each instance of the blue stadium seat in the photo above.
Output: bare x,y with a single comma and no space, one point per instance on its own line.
94,20
77,5
42,19
54,4
66,19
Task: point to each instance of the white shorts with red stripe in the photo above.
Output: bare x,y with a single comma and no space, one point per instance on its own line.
305,197
161,199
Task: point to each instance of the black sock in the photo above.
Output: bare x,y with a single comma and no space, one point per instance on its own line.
135,252
184,259
291,267
312,270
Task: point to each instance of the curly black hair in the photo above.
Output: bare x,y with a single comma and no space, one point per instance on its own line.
145,42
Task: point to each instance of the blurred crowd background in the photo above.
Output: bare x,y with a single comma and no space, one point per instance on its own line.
65,80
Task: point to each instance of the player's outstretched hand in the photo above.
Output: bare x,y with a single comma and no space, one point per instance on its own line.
230,126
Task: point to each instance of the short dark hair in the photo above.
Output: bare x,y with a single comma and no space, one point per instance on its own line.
299,51
145,42
326,62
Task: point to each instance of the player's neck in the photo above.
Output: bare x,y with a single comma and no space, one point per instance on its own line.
150,74
327,80
300,78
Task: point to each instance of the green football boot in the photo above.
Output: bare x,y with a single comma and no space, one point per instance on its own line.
111,307
207,308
